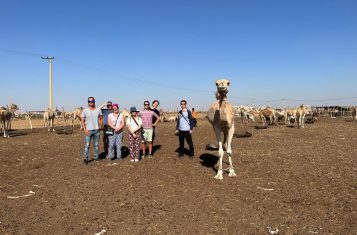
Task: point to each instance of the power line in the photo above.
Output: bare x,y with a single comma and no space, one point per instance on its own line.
116,75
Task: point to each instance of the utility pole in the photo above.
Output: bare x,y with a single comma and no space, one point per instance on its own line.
284,104
50,60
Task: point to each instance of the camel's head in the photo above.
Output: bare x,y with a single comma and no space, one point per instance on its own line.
222,86
13,107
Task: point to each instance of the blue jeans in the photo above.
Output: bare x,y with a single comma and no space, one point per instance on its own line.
93,134
115,140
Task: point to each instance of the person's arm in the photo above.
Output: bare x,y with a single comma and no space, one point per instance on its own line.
110,122
83,120
101,122
190,119
102,105
121,125
157,119
140,125
178,122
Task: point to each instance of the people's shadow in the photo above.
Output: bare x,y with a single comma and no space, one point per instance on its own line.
185,151
124,153
209,160
156,147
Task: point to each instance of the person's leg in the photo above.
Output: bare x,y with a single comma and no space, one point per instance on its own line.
188,137
149,139
111,146
96,144
86,147
181,141
137,147
118,143
143,143
105,140
132,147
153,135
143,148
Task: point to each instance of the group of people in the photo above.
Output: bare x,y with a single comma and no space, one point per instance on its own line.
141,127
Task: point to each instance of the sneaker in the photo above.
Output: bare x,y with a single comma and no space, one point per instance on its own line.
143,156
150,156
133,160
136,159
85,162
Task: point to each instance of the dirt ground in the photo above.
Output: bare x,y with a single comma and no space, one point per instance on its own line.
299,181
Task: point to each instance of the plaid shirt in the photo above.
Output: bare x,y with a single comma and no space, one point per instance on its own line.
146,116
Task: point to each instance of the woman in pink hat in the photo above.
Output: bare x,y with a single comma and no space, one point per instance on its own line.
116,122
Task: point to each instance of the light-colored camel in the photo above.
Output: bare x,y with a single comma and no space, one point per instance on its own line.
48,119
76,114
267,113
5,117
301,111
290,114
221,116
354,112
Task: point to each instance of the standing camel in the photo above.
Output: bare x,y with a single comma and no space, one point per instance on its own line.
5,117
48,119
301,112
221,116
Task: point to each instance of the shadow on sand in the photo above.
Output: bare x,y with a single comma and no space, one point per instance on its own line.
209,160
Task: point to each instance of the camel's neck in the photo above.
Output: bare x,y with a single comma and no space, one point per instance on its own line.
221,97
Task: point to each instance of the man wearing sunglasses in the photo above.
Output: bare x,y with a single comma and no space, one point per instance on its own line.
91,121
147,115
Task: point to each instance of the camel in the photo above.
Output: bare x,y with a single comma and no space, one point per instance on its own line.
48,119
5,117
76,114
290,114
221,116
354,113
301,111
267,114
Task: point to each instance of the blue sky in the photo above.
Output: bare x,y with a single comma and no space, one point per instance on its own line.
131,51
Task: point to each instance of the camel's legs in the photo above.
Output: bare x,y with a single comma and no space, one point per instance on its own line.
220,152
229,151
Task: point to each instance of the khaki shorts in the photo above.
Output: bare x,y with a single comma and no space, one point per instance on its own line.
146,135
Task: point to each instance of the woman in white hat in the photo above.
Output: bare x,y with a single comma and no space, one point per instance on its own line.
134,124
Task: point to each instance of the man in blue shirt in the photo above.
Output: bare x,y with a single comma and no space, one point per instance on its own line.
184,128
105,113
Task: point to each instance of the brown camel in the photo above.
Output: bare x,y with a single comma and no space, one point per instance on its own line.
221,116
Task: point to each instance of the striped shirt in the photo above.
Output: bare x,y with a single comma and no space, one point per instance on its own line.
146,116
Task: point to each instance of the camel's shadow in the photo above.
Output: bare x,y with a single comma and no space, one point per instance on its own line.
209,160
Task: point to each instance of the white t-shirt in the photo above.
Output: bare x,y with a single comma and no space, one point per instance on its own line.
112,119
91,118
132,124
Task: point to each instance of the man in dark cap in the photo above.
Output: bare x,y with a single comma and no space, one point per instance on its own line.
105,113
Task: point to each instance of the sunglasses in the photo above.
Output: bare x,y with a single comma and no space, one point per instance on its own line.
183,104
146,104
91,101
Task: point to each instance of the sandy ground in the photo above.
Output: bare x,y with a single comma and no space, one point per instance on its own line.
299,181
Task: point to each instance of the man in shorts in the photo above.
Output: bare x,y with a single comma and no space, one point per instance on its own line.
147,115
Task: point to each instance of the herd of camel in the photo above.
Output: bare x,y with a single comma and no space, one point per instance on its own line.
221,115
